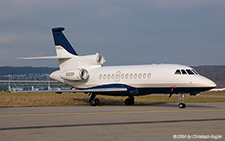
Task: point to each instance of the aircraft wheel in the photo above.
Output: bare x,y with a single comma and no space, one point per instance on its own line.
95,102
181,105
129,101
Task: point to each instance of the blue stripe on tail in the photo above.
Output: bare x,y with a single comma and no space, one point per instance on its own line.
61,40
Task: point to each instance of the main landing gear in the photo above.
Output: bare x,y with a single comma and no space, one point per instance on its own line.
129,100
182,104
94,101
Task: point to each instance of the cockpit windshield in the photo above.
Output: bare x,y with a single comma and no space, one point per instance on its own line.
195,71
183,71
186,71
177,72
190,72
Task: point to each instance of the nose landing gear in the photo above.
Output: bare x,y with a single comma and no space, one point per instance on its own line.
182,104
95,102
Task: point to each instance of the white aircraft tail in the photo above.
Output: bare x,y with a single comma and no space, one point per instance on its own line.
67,56
71,59
64,48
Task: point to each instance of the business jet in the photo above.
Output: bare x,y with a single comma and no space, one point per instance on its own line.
87,75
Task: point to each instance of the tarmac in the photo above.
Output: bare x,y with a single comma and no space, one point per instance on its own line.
198,121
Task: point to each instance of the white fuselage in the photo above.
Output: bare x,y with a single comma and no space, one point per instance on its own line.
161,76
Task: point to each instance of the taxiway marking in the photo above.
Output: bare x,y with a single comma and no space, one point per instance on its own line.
122,112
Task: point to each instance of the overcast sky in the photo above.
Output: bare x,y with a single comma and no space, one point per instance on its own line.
189,32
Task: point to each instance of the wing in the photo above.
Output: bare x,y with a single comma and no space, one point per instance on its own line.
94,90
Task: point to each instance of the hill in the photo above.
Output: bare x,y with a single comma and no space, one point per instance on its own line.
215,73
25,70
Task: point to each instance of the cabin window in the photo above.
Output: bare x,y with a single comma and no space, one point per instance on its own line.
135,76
139,75
126,76
183,71
122,76
117,77
149,75
131,76
189,72
108,77
100,76
177,72
112,76
104,76
144,75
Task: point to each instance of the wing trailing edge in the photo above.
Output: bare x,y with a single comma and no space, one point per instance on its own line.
97,90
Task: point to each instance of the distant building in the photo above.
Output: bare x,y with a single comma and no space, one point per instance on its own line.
13,85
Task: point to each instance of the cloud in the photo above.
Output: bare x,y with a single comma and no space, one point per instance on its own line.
159,31
7,39
186,4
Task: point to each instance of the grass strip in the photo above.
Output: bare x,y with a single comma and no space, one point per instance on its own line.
52,99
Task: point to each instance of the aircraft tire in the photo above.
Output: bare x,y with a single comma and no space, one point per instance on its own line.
181,105
129,101
95,102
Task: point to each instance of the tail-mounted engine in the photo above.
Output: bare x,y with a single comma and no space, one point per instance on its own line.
90,60
77,74
100,59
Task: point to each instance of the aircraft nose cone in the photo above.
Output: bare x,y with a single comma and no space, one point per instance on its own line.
210,83
213,84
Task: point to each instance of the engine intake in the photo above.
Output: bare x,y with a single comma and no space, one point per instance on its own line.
100,59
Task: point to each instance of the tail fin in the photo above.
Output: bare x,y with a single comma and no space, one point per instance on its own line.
67,56
61,41
63,48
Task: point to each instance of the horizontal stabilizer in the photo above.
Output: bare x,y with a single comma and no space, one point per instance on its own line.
46,57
